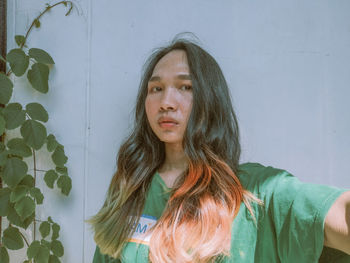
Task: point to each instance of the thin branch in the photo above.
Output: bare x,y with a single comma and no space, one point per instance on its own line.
24,238
46,10
34,223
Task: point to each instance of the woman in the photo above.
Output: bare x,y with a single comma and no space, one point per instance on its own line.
180,195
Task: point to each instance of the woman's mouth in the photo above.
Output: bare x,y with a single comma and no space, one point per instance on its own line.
167,124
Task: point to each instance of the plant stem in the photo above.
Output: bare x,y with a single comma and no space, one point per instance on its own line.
24,238
42,13
34,223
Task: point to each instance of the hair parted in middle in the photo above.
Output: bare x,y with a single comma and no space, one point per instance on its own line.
205,198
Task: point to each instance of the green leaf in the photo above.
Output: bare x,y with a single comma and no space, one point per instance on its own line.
15,170
39,252
4,256
25,207
54,259
62,170
17,146
12,238
38,196
43,255
19,39
58,156
55,231
18,193
15,219
2,125
44,229
6,88
50,178
65,184
34,133
38,76
46,243
18,60
4,201
28,181
28,221
14,115
33,249
3,158
37,23
37,112
51,142
40,56
57,248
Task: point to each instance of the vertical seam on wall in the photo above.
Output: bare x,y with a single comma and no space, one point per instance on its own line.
326,101
87,122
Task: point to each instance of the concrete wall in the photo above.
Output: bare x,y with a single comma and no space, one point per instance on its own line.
287,64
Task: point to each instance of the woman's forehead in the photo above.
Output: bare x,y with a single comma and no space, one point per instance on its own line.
175,60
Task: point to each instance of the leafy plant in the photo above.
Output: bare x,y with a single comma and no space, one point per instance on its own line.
19,196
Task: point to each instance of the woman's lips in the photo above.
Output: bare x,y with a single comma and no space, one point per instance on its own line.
167,122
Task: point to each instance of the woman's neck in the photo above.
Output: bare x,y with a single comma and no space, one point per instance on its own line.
175,158
174,165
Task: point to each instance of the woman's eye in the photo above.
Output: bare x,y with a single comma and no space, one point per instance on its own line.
156,89
185,87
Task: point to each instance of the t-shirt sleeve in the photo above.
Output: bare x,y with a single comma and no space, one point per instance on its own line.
297,211
100,258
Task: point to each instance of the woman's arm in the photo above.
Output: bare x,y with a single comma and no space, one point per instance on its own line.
337,224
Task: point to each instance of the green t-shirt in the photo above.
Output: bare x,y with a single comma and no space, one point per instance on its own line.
289,224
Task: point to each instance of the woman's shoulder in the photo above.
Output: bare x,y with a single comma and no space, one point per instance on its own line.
268,181
256,177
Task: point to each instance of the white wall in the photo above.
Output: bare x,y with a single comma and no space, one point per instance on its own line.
287,64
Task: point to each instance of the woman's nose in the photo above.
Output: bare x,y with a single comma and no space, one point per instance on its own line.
168,100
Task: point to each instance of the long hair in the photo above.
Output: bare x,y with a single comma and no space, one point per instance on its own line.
205,198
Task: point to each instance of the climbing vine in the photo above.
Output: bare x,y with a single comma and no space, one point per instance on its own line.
19,194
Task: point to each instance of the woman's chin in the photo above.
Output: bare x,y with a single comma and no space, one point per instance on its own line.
169,140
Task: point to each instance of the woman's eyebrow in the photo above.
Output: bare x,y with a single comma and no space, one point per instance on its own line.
184,76
154,78
180,76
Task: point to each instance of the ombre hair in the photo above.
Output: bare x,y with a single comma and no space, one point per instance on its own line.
205,198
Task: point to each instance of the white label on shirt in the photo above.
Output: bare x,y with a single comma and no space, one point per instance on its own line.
142,234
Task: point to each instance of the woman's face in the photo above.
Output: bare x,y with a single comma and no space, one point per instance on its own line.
169,97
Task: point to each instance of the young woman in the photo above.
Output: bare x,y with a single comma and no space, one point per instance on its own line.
180,195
